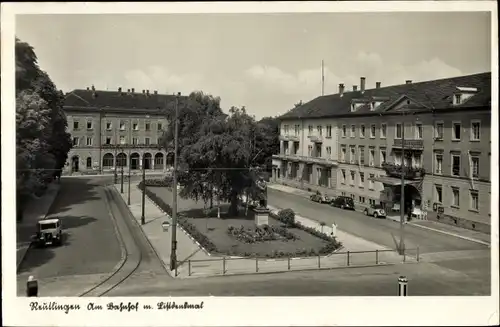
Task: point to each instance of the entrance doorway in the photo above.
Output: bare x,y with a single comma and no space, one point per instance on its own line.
134,161
75,162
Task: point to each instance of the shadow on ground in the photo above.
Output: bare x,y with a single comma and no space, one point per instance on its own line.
86,190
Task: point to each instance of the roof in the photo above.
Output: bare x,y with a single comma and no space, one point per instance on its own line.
435,94
48,221
97,99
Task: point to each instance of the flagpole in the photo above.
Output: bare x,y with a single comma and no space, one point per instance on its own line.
322,78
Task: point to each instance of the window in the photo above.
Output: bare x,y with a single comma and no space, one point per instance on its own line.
417,160
361,155
76,141
342,176
148,127
362,199
310,150
371,158
344,130
456,131
76,125
89,163
455,200
329,131
474,161
135,126
383,153
147,140
439,131
439,193
370,182
361,180
343,193
108,140
122,126
122,139
419,131
310,131
362,131
343,151
438,163
319,129
329,152
285,129
353,177
474,200
458,98
399,131
352,196
455,165
109,126
159,127
353,130
352,158
373,130
475,133
383,131
89,141
89,124
135,141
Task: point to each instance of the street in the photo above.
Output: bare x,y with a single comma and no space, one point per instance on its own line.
381,231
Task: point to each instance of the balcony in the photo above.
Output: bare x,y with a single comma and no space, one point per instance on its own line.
410,173
288,137
130,146
316,138
307,159
409,144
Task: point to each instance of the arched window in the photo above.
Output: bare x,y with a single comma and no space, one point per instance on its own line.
159,161
89,162
107,160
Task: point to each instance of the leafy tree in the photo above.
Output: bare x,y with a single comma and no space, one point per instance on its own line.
267,141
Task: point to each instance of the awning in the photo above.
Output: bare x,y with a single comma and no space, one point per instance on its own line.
392,181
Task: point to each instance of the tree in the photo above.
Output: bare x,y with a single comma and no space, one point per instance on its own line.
267,141
42,143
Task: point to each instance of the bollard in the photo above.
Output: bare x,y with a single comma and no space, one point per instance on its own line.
288,263
189,267
32,287
176,269
404,255
403,286
376,257
418,255
256,264
319,261
347,258
223,265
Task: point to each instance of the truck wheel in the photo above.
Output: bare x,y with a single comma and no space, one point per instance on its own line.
375,215
366,212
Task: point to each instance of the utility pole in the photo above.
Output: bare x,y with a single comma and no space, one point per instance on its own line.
143,219
173,255
322,78
402,200
121,164
129,157
116,153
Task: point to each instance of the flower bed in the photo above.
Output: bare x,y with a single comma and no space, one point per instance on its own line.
165,182
260,234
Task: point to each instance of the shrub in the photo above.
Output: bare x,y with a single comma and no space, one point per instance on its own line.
287,216
260,234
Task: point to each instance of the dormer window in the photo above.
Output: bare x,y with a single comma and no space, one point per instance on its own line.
458,98
353,107
463,94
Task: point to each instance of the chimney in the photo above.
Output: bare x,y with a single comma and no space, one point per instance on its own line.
156,92
377,85
362,84
143,91
408,81
120,90
88,88
128,90
341,89
93,88
132,89
354,88
147,92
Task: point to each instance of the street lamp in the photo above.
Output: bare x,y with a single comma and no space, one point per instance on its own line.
173,255
121,164
143,219
129,168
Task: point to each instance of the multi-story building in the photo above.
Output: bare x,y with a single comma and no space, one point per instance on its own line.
115,128
444,126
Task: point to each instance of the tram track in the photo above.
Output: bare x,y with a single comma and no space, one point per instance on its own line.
133,256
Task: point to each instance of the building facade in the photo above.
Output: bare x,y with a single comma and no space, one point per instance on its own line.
445,128
111,129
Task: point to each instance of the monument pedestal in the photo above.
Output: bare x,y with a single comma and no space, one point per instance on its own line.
261,216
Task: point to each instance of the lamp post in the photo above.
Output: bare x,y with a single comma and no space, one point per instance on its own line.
173,255
129,168
143,219
121,164
116,161
402,200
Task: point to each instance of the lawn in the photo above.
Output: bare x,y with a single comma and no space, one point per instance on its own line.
215,229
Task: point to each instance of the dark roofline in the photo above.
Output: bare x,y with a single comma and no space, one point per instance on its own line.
114,110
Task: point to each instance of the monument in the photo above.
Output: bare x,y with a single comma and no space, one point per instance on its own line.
261,212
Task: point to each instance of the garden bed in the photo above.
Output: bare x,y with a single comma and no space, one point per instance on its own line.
239,236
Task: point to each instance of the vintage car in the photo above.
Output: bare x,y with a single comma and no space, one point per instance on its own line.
343,202
49,232
375,210
320,198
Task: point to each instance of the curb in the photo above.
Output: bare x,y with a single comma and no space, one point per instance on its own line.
21,260
452,234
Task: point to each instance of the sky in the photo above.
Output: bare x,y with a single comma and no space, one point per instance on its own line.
265,62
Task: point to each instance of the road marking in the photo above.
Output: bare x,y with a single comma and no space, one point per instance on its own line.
453,234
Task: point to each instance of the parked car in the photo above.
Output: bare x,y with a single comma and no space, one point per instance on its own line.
49,232
320,198
375,210
343,202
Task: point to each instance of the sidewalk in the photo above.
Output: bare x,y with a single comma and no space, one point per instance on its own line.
37,209
125,174
466,234
195,262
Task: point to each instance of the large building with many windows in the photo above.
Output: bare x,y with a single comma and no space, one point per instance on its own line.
351,143
111,129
